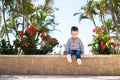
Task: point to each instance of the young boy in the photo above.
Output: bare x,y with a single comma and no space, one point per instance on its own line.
74,46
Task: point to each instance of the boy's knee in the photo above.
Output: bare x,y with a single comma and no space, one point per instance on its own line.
77,52
70,51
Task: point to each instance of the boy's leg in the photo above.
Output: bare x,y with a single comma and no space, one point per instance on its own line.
78,57
69,56
78,54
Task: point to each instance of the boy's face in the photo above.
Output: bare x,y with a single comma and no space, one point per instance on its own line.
74,34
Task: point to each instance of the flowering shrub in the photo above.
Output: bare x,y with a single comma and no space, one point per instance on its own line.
47,43
6,48
102,43
28,41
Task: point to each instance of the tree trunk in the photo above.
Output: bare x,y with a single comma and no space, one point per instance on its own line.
23,25
105,25
3,12
112,13
93,21
40,26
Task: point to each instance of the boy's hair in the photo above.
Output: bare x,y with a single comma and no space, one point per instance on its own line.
74,28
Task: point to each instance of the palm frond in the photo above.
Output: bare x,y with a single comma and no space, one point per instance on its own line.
83,16
76,14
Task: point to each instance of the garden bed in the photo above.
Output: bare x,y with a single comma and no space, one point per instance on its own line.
58,65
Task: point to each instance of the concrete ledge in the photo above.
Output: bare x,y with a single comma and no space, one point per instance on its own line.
58,65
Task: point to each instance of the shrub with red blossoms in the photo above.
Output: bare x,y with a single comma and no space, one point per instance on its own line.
29,41
48,43
101,43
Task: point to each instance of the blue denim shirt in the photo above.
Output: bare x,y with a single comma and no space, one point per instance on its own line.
75,44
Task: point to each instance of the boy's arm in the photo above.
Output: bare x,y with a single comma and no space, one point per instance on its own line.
81,47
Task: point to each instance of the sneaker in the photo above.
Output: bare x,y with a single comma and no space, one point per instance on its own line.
69,58
79,61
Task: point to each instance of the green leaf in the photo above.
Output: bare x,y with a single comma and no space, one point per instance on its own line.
76,14
90,44
82,16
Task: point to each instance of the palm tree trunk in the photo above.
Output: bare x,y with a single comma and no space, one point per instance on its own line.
27,25
101,19
3,12
105,24
112,13
40,26
23,24
93,21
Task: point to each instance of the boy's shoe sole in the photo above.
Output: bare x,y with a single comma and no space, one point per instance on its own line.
79,61
69,58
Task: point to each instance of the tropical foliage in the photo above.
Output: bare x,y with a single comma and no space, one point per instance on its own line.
105,11
102,43
26,22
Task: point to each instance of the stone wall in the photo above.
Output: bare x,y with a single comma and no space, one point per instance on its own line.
58,65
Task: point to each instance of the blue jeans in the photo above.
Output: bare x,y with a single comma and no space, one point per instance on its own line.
76,53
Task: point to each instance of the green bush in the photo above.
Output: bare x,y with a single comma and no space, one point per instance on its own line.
102,43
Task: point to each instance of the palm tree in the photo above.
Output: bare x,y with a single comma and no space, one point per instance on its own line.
22,13
88,11
107,10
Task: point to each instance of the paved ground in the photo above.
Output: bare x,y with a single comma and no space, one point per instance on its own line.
40,77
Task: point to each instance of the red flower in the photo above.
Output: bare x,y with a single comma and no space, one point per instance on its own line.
31,30
103,28
94,30
20,33
115,44
26,44
23,38
55,40
42,36
102,44
109,38
98,31
103,47
51,40
48,37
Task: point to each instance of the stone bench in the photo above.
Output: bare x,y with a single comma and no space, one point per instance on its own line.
58,65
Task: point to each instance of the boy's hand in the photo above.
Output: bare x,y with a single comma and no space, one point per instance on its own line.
82,53
65,52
